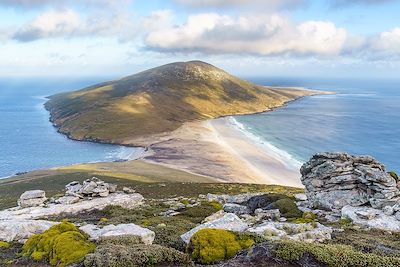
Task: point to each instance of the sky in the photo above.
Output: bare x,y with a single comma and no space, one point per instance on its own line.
293,38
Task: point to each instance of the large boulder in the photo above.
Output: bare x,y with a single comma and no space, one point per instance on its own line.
229,222
32,198
21,230
93,187
334,180
96,232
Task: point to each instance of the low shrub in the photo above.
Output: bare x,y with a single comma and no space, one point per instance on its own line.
332,255
288,208
112,255
62,245
213,245
125,240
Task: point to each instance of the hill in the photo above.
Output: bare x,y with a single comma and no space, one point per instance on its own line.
159,100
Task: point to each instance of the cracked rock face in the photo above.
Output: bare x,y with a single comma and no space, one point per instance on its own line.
335,180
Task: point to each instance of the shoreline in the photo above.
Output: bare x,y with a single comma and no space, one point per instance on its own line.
217,149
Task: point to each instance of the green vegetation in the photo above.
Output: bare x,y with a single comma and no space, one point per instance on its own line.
125,251
307,217
159,100
213,245
394,175
62,245
369,241
332,255
288,208
4,245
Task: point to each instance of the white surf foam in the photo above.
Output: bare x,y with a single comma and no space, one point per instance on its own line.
286,158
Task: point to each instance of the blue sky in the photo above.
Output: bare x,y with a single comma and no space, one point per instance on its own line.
358,38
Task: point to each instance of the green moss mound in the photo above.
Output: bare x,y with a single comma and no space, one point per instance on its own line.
332,255
61,245
288,208
4,245
213,245
124,254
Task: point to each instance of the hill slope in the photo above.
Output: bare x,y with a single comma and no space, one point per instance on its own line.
159,100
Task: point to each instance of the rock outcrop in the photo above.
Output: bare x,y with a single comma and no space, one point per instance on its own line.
32,198
335,180
21,230
93,187
95,232
129,201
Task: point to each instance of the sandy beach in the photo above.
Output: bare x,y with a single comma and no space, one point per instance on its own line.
219,149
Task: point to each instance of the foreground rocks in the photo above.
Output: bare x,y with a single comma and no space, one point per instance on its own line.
97,232
32,198
334,180
356,188
229,222
129,201
21,230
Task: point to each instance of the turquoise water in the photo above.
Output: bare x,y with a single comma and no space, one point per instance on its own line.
28,141
362,118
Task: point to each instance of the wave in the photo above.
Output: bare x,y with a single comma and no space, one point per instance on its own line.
277,153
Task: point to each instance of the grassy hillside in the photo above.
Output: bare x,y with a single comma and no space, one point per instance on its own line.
159,100
151,180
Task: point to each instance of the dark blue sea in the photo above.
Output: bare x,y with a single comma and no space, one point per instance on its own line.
28,141
363,118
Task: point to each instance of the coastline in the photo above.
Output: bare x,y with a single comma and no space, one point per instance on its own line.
218,148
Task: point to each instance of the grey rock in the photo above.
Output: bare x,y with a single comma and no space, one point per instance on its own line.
236,199
128,190
262,214
379,220
397,215
20,230
229,222
67,200
236,208
388,210
96,232
32,198
335,180
300,197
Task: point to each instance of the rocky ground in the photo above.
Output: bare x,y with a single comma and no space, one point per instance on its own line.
347,216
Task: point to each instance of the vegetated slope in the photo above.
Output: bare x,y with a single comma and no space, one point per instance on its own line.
159,100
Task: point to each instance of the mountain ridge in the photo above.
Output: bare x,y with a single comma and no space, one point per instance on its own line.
159,100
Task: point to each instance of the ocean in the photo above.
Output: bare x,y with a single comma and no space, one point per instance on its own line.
362,118
28,141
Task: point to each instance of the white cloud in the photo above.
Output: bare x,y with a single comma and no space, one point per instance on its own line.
259,4
68,23
260,35
40,3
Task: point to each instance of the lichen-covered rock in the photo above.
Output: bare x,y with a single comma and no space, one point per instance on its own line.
21,230
334,180
371,218
229,222
32,198
96,232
